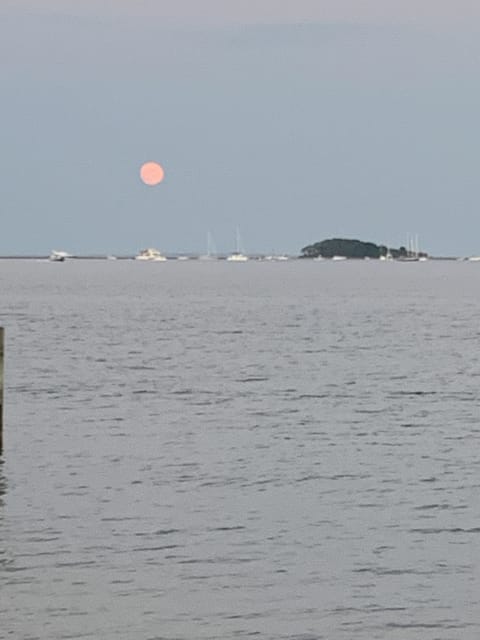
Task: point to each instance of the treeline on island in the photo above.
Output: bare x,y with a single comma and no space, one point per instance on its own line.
354,249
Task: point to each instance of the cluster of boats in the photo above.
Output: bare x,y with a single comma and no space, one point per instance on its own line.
154,255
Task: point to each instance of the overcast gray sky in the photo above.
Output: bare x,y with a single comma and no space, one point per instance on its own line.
295,121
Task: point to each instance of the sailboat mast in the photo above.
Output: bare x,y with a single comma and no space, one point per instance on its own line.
209,244
237,240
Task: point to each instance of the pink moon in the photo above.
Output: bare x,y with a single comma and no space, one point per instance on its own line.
152,173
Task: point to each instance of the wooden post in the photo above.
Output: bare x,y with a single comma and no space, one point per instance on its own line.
2,332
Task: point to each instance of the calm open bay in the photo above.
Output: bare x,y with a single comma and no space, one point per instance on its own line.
207,450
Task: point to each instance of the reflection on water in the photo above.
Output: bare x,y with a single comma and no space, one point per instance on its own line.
208,451
3,483
4,556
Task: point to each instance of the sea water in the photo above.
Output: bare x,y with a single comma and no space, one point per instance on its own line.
207,450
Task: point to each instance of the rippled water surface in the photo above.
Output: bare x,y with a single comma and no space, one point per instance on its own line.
215,450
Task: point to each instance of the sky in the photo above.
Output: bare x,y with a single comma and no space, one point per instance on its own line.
294,122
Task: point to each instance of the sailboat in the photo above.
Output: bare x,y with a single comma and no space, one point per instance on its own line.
211,249
413,253
412,248
387,255
237,256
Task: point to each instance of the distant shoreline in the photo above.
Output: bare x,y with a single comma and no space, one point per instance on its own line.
197,257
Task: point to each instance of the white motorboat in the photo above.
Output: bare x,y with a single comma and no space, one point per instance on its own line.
59,256
152,255
274,257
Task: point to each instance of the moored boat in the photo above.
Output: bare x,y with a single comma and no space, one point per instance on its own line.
152,255
238,255
59,256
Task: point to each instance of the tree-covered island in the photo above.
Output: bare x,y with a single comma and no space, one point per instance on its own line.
346,248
